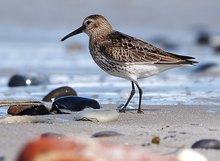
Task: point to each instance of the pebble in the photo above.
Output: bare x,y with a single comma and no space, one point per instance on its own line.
74,103
49,148
204,67
190,155
155,140
52,134
207,144
27,80
29,110
106,134
2,158
95,115
25,119
59,92
203,38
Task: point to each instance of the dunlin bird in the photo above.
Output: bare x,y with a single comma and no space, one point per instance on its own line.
124,56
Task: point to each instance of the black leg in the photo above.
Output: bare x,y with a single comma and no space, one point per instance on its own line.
129,99
140,98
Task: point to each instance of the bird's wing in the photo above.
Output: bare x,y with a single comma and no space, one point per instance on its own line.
123,48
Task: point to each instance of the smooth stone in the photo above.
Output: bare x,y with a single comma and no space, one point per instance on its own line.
52,134
74,103
27,80
207,144
203,38
94,115
2,158
204,67
28,110
25,119
155,140
106,134
217,48
59,92
190,155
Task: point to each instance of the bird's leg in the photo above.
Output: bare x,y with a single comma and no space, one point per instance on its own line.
123,109
140,98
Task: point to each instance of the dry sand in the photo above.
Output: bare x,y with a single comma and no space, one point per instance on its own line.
178,126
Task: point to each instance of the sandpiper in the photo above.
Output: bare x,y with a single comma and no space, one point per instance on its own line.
124,56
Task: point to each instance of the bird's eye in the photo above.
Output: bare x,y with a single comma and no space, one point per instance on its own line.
88,22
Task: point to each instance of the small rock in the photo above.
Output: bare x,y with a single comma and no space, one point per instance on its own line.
27,80
51,134
74,103
190,155
2,158
203,38
59,92
155,140
217,49
28,110
94,115
25,119
106,134
50,148
204,67
207,144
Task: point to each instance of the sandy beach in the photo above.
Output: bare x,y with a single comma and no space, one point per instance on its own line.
177,126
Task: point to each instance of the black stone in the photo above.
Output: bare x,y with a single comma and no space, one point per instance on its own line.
74,103
217,48
28,110
2,158
204,67
203,38
59,92
26,80
207,144
52,134
106,134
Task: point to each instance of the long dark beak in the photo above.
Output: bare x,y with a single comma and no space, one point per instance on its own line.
77,31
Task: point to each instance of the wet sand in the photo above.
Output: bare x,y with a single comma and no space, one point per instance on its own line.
178,126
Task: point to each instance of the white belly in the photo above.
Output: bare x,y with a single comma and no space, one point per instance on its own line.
130,71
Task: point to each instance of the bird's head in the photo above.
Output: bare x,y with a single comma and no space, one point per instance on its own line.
94,26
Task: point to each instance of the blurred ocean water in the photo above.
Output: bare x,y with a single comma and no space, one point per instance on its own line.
66,65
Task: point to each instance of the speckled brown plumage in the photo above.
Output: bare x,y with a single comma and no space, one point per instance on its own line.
124,56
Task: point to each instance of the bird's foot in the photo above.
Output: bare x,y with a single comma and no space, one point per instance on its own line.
121,108
140,111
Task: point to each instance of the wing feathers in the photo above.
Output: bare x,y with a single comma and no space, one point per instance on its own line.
124,48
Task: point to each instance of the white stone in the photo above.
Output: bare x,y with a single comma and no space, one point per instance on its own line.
97,115
190,155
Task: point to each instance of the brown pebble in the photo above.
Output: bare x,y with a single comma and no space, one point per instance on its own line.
155,140
28,110
59,92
